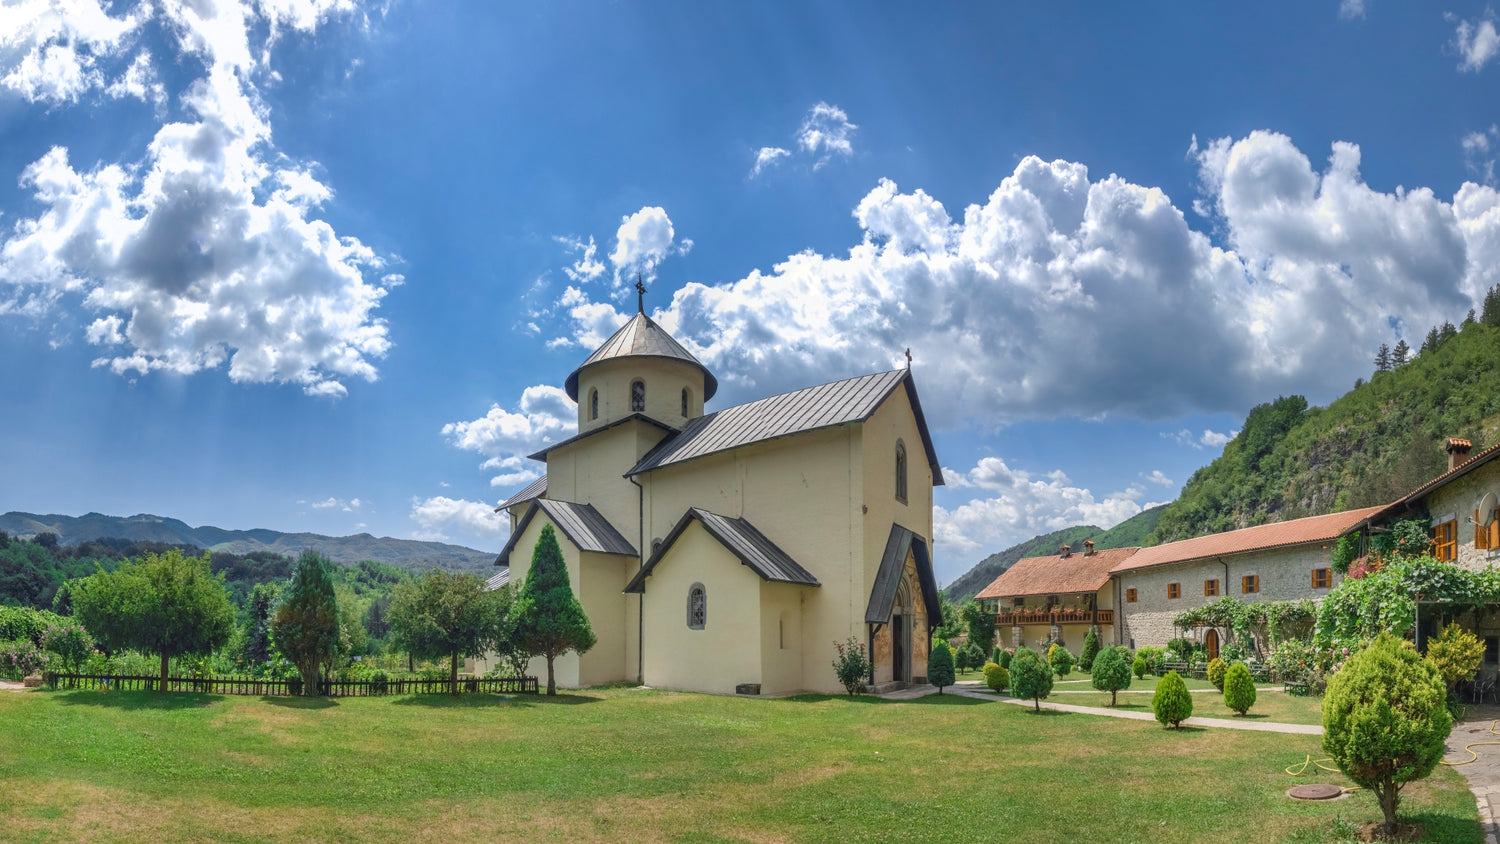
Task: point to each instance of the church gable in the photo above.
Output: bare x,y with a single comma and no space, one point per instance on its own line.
579,524
753,549
903,544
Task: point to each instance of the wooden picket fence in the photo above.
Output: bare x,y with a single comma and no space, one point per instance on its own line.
255,686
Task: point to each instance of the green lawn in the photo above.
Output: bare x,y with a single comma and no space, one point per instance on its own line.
623,764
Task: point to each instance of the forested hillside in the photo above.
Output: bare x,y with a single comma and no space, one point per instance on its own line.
1132,531
1376,443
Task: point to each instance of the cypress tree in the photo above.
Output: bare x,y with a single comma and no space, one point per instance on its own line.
940,667
1090,651
306,623
551,621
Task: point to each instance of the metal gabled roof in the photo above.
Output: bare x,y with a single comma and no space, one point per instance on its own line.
642,337
535,489
498,580
580,524
892,563
823,406
742,539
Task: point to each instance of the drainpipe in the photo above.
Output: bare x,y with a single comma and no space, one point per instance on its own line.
640,600
1226,582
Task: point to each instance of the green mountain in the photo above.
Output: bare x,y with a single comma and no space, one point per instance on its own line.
402,553
1373,445
1130,532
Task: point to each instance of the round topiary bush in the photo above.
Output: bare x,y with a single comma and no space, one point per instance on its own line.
1140,668
996,677
1110,673
1030,677
1172,703
1216,669
1061,659
1090,651
1384,720
1004,659
1239,688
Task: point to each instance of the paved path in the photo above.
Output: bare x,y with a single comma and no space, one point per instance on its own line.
8,686
973,689
1483,773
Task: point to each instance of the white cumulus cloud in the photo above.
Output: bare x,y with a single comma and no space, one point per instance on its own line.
504,437
1157,477
439,514
643,241
826,132
1477,42
205,251
1014,506
767,157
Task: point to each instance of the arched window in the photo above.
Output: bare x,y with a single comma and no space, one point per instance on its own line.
901,471
684,402
593,404
697,609
637,396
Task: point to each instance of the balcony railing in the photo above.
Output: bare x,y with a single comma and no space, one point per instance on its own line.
1053,616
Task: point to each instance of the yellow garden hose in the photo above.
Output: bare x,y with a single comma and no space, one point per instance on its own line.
1472,755
1308,762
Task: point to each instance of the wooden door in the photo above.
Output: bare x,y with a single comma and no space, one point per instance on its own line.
1211,643
900,650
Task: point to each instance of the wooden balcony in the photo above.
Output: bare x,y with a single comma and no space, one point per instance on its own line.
1054,616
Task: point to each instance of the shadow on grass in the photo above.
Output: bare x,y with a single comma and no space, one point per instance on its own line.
484,701
300,702
543,699
130,701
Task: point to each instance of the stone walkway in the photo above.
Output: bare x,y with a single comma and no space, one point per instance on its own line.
8,686
976,690
1483,773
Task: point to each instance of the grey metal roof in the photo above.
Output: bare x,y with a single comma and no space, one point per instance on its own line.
888,578
535,489
583,526
742,539
642,337
823,406
498,580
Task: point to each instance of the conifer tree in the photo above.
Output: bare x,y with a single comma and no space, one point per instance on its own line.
1400,354
1172,702
1111,673
1090,651
940,667
1490,315
1469,320
551,621
1431,342
1448,332
1383,359
1030,676
1239,688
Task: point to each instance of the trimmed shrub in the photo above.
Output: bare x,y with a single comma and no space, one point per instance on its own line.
970,658
1384,722
1456,654
1172,703
852,666
1110,673
1030,677
940,668
1090,651
995,653
1004,659
1140,668
1061,659
1216,669
1239,688
996,677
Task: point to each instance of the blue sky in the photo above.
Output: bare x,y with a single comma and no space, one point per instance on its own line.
317,265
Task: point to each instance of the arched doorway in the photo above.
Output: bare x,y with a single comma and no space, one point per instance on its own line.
1211,643
901,634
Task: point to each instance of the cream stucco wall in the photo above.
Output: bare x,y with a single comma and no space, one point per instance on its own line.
728,650
592,470
781,636
878,505
1285,575
665,379
1457,500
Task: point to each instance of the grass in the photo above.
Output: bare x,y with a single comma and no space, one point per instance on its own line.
627,764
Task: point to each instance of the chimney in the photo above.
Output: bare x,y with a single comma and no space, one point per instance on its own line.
1088,548
1065,552
1458,452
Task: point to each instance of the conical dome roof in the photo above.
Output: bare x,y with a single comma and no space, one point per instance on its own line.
642,337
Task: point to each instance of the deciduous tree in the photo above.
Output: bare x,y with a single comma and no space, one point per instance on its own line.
448,615
1030,676
165,604
551,622
1111,673
306,622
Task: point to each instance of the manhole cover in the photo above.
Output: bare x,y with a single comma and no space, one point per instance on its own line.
1315,791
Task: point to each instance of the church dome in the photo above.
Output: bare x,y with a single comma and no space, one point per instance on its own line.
641,337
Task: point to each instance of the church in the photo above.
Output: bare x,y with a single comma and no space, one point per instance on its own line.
727,552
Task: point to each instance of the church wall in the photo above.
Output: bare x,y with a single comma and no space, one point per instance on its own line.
799,492
781,637
592,471
602,583
727,651
892,421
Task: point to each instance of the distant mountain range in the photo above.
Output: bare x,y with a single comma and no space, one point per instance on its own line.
1132,531
403,553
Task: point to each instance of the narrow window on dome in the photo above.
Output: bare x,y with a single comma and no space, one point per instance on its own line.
684,402
901,471
637,396
593,404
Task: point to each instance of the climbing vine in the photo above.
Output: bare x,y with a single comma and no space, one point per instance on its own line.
1384,596
1230,613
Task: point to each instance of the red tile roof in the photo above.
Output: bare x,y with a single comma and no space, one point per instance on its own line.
1258,538
1056,575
